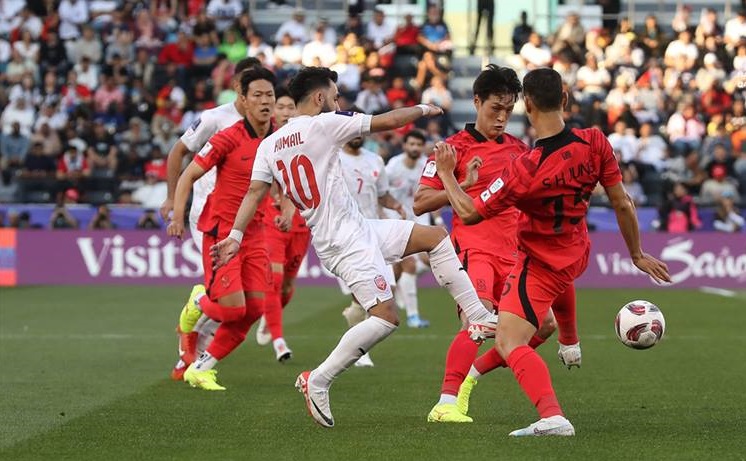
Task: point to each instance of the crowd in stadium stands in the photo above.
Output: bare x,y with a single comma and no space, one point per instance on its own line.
95,93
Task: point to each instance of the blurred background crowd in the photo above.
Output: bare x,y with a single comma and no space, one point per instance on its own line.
95,93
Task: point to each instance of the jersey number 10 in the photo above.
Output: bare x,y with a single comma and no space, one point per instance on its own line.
298,193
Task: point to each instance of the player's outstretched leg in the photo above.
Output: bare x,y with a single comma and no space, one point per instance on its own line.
273,317
451,275
461,353
356,341
569,345
354,314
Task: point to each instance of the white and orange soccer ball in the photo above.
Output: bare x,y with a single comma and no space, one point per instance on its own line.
640,324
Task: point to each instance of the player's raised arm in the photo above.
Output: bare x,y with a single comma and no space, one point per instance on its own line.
173,168
183,187
398,118
462,203
626,217
429,199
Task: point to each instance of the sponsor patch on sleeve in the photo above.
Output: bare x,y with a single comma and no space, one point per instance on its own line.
430,169
485,195
195,123
347,113
496,185
205,150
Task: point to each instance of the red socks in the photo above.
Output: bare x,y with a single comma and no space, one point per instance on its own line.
230,335
287,295
460,356
532,375
492,359
564,312
273,308
221,313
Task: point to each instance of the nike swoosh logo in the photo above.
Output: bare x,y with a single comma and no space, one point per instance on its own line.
328,420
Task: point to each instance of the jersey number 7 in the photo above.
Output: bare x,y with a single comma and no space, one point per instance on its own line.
300,168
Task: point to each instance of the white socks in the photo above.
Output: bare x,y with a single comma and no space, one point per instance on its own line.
451,275
446,398
474,373
407,285
354,343
205,328
205,362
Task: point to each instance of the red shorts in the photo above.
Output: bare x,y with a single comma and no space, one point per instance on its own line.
288,249
487,273
532,287
248,271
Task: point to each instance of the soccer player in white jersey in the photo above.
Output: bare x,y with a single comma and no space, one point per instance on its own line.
303,157
193,342
365,175
404,172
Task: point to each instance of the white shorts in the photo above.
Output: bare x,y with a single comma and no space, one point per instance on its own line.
388,275
198,204
423,219
362,265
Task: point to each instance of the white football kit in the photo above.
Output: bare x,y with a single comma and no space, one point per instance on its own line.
303,156
194,138
366,179
403,183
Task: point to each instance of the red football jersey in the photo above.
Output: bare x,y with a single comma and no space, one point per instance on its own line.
232,151
498,234
552,185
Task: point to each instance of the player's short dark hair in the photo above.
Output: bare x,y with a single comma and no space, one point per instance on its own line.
246,63
496,80
310,79
281,91
253,74
417,134
544,87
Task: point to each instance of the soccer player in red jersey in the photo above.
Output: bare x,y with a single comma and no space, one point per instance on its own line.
288,238
551,184
487,251
236,292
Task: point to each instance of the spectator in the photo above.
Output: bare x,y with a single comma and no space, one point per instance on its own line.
399,95
73,13
61,217
406,37
535,53
318,49
123,47
148,220
49,139
287,52
351,45
521,32
37,163
679,213
180,52
372,99
380,31
727,216
147,32
88,73
18,67
233,46
223,12
165,13
486,11
348,75
620,97
18,112
152,193
719,157
569,38
330,35
27,47
87,45
652,38
244,26
102,219
735,30
682,18
143,67
13,149
353,25
592,80
652,150
5,50
107,95
53,118
567,69
685,130
73,164
74,93
713,99
623,141
719,186
26,90
682,51
258,46
30,22
632,186
708,27
710,73
648,103
434,34
102,151
294,27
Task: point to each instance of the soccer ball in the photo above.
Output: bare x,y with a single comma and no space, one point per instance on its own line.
640,324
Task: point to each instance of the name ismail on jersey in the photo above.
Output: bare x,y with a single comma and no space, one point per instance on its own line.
288,141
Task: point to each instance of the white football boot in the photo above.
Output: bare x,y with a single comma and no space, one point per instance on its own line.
552,426
570,355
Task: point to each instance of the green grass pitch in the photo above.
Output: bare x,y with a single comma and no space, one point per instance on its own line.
84,375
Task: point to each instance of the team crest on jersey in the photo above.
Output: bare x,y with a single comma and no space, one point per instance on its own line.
380,282
205,150
496,185
430,169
